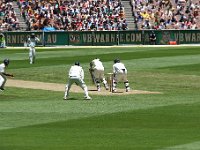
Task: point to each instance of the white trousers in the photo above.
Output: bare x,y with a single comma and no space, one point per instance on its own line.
2,80
120,77
78,82
99,77
32,55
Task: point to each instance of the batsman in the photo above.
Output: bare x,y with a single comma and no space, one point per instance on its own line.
97,74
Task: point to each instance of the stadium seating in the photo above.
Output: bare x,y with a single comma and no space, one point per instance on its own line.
8,18
166,14
77,15
91,15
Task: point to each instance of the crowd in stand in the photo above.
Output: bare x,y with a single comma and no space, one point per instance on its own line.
166,14
74,15
8,19
89,15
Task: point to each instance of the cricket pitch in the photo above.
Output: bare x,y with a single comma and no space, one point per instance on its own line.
76,89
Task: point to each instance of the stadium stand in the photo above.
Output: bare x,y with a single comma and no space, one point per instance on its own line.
76,15
166,14
8,18
91,15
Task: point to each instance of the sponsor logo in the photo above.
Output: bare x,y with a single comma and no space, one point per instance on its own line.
74,38
165,37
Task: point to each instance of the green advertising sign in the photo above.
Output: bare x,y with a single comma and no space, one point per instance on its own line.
165,36
56,38
105,38
130,37
19,38
95,38
80,38
180,36
188,36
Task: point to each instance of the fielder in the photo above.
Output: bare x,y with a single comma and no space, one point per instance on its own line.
31,42
97,73
120,75
76,75
3,74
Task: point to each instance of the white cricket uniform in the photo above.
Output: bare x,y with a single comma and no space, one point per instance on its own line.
2,76
120,75
98,69
120,72
98,73
32,53
76,75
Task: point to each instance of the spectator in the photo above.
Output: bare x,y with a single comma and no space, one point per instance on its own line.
165,14
9,20
75,15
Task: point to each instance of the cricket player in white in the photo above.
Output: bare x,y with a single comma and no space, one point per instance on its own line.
32,40
120,74
3,74
97,72
76,75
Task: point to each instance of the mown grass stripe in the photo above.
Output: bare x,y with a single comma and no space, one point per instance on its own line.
155,128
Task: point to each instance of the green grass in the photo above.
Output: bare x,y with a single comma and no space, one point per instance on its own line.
35,119
142,129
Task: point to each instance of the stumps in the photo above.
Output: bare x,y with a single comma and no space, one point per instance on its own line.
110,81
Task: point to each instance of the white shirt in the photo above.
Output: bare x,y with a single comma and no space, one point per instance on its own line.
97,64
2,68
118,68
32,41
76,72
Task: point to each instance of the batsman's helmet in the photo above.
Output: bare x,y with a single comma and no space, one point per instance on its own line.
6,61
116,60
77,63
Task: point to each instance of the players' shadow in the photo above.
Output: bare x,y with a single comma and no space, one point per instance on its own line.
117,92
72,98
92,90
